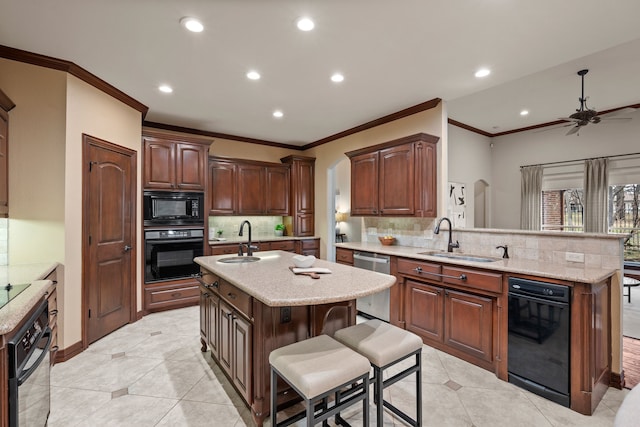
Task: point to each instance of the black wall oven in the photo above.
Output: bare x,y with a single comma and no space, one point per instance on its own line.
539,341
29,388
169,253
163,208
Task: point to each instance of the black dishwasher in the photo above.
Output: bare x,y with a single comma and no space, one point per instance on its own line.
539,328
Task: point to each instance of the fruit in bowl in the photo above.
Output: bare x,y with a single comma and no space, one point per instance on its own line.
302,261
387,240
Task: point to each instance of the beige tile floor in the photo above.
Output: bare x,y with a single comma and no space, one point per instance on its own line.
152,373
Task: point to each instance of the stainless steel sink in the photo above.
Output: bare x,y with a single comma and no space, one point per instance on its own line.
239,259
461,257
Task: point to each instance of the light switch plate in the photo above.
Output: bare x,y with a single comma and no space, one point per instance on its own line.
574,256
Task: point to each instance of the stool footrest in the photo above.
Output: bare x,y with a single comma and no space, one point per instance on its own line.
399,376
401,414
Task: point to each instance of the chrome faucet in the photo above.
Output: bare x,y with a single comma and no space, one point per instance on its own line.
250,248
436,230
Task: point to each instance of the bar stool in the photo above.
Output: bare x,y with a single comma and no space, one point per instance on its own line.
317,368
386,345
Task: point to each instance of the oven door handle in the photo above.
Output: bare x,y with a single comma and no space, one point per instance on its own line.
189,240
24,375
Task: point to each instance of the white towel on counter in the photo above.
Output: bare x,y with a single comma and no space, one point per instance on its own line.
310,270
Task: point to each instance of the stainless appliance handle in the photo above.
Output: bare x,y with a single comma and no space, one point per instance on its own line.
371,259
24,375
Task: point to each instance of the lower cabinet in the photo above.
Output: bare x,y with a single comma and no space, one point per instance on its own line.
170,294
469,323
309,246
344,256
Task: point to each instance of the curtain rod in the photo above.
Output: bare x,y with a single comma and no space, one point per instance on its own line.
581,160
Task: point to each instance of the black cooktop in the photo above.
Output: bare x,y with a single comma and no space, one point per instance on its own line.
9,292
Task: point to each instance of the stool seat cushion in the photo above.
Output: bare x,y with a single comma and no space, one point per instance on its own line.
379,341
317,365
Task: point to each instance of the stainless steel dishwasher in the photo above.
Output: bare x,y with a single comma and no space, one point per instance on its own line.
376,305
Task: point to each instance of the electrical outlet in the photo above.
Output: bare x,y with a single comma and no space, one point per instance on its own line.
285,314
574,256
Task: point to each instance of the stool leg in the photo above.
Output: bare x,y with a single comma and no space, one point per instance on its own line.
378,394
274,400
419,389
629,295
365,402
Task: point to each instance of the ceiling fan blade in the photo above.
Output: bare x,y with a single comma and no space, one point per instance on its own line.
616,118
573,130
568,119
627,110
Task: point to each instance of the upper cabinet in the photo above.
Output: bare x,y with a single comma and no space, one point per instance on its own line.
244,187
174,162
397,178
301,222
5,106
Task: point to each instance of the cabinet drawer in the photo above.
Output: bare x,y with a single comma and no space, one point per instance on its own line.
173,294
422,269
310,244
236,297
286,245
344,256
224,249
475,279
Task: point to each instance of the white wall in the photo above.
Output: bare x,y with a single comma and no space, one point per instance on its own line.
533,147
353,226
469,161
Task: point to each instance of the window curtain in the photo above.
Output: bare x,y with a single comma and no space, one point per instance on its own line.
596,195
530,197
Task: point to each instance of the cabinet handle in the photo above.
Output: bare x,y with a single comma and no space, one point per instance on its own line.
462,277
176,294
55,282
232,295
53,312
227,315
206,295
54,348
207,285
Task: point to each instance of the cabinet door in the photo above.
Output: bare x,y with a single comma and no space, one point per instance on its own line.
4,163
305,188
222,188
225,341
364,184
304,224
251,185
469,320
426,179
213,331
424,312
191,164
204,314
277,190
159,164
396,181
242,356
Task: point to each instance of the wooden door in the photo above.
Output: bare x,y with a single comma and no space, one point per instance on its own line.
277,190
222,188
469,320
425,310
396,182
109,270
364,184
159,164
191,167
251,186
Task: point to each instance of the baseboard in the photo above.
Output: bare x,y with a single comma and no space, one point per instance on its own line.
139,315
617,380
65,354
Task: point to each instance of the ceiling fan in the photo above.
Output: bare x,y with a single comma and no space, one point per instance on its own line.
585,115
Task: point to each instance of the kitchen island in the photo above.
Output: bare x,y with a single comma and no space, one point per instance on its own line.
249,309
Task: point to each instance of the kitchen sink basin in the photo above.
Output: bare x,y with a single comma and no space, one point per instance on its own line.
239,259
461,257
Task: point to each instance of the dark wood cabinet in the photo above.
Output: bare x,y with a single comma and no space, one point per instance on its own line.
170,294
397,178
301,221
469,323
243,187
173,162
5,106
425,310
344,256
222,188
308,247
300,246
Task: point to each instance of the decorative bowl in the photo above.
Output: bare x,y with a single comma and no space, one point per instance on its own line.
387,241
302,261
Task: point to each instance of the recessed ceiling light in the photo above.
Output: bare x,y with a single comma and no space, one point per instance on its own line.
524,112
337,78
305,24
253,75
192,24
483,72
278,114
165,88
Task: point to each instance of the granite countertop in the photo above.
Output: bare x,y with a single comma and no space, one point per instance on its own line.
575,272
259,239
271,282
12,314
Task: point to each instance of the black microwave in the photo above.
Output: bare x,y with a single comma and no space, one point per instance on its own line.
173,208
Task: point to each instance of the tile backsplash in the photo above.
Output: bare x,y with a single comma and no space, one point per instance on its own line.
4,241
261,226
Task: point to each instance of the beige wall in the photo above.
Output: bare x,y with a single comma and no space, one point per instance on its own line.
328,155
242,150
94,113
